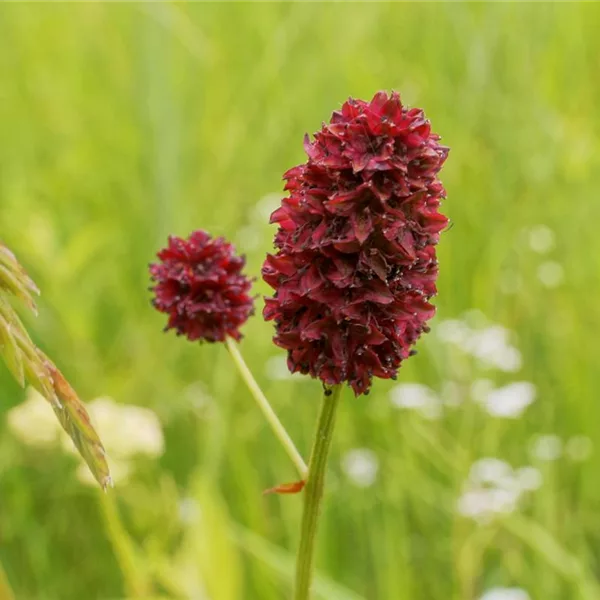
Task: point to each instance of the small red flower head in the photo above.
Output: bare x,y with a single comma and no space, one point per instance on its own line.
355,265
200,285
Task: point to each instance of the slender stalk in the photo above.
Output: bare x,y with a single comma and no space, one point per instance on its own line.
135,580
314,492
272,419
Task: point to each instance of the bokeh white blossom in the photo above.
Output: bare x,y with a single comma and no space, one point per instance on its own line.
504,593
494,488
541,239
546,448
551,274
189,510
509,401
418,397
529,478
492,348
266,206
33,421
579,448
197,397
126,431
489,345
276,369
361,466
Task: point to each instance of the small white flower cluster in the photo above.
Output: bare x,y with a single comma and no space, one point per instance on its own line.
33,422
361,466
503,593
489,345
549,447
551,274
542,240
418,397
189,511
494,488
509,401
276,369
125,430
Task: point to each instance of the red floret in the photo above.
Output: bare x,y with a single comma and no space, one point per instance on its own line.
355,265
200,285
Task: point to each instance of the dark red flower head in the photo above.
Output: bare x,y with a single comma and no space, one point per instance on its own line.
355,265
200,285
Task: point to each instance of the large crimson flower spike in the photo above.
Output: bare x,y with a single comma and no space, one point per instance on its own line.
355,263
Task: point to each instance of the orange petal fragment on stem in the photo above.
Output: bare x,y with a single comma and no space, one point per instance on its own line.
287,488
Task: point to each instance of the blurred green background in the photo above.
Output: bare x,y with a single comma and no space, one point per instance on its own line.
122,123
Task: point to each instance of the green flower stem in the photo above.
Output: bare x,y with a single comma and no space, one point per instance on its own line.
274,422
314,492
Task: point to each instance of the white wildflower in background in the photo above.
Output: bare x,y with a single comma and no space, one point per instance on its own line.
361,466
198,398
499,593
266,206
248,237
33,421
579,448
491,470
276,369
453,331
494,488
541,239
492,348
546,447
551,274
529,478
482,505
417,396
489,344
126,430
189,511
509,401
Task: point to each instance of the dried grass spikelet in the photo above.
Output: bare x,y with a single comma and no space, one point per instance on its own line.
29,364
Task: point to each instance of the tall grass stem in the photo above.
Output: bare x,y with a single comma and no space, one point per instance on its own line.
135,580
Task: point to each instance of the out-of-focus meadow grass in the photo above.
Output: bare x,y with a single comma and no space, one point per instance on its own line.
123,123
